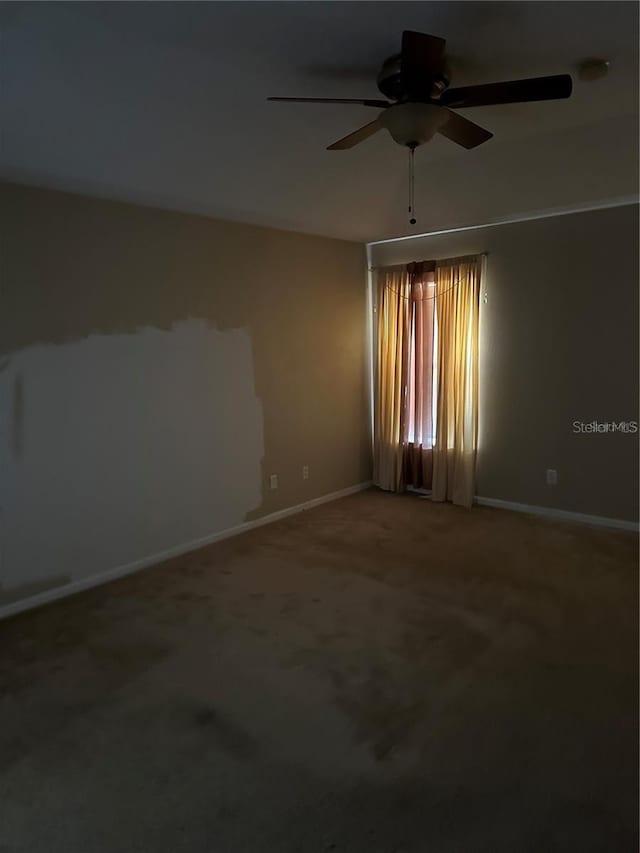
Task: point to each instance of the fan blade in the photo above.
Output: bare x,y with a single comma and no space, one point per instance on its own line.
364,103
464,132
357,136
509,92
422,59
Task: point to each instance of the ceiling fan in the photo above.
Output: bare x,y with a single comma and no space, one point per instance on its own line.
421,103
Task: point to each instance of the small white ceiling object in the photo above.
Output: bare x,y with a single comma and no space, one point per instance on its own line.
165,104
593,69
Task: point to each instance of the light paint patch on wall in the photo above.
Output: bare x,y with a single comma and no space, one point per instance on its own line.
156,369
125,445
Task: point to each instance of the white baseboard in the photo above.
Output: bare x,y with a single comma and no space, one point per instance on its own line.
559,514
184,548
546,512
153,559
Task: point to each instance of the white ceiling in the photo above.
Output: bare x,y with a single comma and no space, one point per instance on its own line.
164,104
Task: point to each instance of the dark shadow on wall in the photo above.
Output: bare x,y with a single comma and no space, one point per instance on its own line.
17,417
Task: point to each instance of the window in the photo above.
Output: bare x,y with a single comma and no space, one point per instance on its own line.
423,346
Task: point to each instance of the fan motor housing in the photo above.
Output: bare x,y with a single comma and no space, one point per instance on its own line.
391,84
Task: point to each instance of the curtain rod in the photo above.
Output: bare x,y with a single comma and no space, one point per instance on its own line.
427,260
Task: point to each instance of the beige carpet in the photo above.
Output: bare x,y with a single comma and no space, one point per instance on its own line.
379,674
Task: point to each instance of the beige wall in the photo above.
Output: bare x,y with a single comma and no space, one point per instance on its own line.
559,343
155,368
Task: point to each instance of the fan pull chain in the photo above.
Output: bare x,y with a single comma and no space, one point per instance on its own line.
412,209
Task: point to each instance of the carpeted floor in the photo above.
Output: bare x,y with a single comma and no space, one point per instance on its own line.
377,675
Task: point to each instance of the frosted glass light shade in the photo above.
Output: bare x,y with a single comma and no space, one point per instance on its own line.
413,123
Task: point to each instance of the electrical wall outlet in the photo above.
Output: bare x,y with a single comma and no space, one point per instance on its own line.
273,481
552,477
305,472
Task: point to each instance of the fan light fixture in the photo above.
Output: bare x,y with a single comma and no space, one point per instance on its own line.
413,123
419,103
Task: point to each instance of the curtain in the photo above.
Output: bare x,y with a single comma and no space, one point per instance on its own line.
457,310
419,434
426,383
392,363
